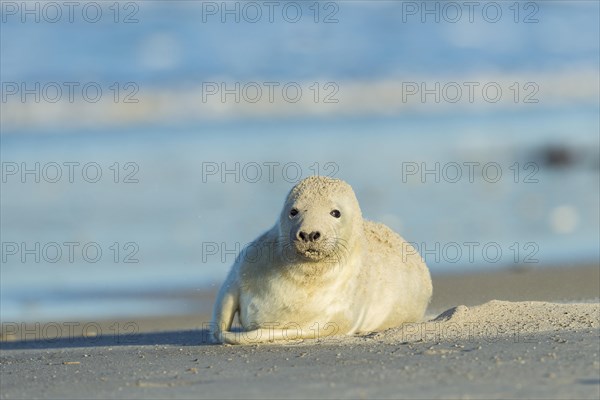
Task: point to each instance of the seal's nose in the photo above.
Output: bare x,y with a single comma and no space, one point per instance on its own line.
309,237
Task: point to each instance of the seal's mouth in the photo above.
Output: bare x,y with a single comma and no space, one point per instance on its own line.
312,252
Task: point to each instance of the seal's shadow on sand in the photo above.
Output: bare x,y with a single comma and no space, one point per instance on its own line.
198,337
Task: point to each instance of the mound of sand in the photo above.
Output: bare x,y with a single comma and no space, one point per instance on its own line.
491,322
498,319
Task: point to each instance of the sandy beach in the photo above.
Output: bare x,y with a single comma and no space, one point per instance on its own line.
506,334
147,147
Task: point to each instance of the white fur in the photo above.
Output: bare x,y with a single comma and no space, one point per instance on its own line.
358,277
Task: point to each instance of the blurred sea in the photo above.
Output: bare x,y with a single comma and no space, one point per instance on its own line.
183,225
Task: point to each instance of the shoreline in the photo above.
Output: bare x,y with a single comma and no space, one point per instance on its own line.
551,283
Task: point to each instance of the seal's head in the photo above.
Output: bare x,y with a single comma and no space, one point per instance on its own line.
321,219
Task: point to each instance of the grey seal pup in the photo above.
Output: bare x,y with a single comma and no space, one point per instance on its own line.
321,270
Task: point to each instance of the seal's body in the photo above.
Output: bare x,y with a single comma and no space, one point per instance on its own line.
321,270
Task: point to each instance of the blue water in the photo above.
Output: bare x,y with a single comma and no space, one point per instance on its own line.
171,44
170,217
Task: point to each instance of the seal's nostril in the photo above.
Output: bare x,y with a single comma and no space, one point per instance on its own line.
314,236
303,236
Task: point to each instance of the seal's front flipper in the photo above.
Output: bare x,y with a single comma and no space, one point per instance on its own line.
225,308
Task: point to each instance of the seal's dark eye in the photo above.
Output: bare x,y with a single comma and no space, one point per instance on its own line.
293,212
336,213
